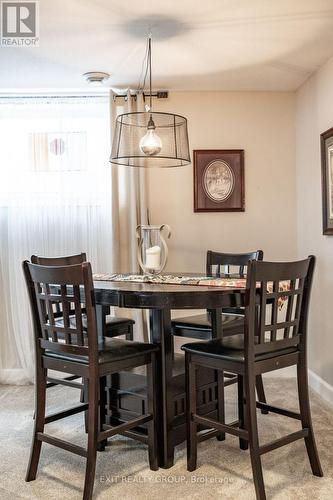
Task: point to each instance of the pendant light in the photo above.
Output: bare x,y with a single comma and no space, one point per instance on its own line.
150,139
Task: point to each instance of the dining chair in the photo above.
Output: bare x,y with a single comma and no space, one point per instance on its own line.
276,312
200,326
113,326
71,349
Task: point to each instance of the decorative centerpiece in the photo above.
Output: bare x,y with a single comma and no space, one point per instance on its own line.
152,247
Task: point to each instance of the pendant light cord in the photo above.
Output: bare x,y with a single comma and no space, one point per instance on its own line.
149,62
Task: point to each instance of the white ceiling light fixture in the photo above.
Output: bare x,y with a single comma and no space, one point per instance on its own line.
96,78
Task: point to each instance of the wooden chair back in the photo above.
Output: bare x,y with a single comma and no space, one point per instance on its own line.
216,260
69,287
69,260
277,302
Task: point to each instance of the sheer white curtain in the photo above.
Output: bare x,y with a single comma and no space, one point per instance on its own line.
55,199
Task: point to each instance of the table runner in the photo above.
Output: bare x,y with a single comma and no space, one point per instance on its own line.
173,280
230,282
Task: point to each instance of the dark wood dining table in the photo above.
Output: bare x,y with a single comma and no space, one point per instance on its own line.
126,391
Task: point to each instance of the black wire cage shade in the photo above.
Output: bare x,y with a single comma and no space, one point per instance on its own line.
168,129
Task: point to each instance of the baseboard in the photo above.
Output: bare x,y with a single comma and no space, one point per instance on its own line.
323,388
319,385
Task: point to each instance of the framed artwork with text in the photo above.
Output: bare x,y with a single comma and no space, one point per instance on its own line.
219,180
326,140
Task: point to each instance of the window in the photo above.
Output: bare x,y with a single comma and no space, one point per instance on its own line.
55,199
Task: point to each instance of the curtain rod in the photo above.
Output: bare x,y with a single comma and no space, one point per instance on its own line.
160,94
60,96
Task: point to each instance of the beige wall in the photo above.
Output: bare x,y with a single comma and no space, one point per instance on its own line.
261,123
314,116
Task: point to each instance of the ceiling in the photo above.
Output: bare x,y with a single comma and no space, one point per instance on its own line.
197,44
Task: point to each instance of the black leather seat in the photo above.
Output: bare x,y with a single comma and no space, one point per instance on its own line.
200,326
110,350
231,348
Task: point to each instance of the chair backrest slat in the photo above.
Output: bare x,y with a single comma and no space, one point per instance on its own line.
284,291
274,310
290,307
262,313
78,315
65,312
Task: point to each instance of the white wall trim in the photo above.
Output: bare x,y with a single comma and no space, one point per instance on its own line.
323,388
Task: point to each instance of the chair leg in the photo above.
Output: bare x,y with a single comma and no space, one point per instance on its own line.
102,402
152,409
85,396
191,406
304,404
243,443
40,402
173,345
82,392
220,402
261,392
251,424
93,390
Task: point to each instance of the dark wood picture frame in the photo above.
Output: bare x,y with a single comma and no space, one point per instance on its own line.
326,143
218,176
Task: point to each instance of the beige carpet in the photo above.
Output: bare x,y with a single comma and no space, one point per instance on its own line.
223,470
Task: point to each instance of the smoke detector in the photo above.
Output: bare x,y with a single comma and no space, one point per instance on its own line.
96,77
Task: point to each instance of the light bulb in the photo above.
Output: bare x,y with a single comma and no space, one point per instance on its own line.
150,143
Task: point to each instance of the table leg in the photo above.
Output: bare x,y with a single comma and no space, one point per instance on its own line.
160,331
216,318
217,333
101,313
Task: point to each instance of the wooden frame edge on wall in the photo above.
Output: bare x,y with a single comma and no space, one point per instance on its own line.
327,181
202,201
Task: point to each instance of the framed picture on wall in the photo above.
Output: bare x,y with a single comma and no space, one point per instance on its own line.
327,180
219,180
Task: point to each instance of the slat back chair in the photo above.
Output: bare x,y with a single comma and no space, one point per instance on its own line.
57,311
71,349
225,264
205,326
276,314
218,263
278,322
200,326
69,338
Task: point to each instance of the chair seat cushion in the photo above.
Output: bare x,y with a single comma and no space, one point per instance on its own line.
110,350
232,325
230,348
